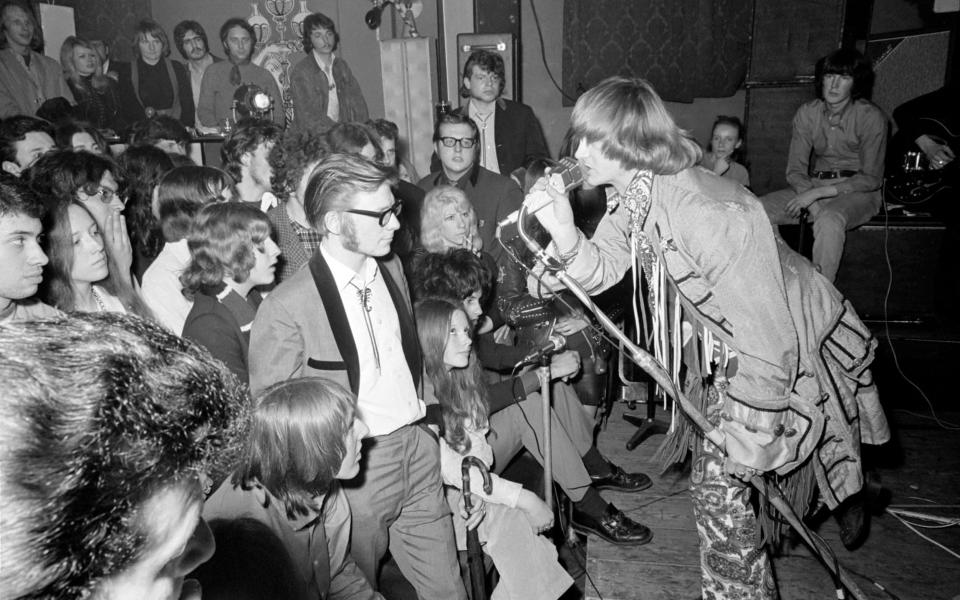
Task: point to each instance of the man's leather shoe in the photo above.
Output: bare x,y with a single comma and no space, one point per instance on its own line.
854,521
621,481
613,526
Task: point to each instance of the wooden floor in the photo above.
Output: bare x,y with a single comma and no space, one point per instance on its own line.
921,466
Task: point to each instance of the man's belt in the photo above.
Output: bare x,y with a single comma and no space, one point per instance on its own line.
833,174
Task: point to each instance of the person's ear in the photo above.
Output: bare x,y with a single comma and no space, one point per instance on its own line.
332,221
12,168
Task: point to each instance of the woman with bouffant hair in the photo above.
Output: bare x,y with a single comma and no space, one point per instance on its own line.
230,254
305,434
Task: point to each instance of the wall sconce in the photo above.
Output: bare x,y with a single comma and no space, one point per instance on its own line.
408,9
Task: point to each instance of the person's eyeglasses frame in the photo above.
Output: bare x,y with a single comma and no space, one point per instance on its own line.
450,142
383,216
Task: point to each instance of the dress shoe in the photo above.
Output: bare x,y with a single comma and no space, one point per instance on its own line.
854,521
612,526
621,481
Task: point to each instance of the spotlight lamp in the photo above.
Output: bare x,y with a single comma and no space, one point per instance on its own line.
408,10
251,101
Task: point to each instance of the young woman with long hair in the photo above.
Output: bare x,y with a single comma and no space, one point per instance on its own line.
527,562
78,276
95,93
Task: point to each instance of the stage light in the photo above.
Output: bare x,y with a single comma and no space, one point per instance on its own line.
374,16
251,101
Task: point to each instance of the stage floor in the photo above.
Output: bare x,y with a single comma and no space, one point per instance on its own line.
921,466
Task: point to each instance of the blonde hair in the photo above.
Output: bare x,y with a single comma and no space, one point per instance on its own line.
67,54
630,121
431,218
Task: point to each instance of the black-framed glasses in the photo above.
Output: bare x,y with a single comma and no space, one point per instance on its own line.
450,142
383,216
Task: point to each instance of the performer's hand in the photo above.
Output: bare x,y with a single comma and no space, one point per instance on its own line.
737,471
557,220
564,364
538,513
474,517
939,155
805,199
571,324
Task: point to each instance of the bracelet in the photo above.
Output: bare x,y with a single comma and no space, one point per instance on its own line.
568,257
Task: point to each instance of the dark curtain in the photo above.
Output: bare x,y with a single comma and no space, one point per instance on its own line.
112,21
685,48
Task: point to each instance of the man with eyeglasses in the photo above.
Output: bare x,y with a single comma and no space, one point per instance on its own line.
347,317
456,141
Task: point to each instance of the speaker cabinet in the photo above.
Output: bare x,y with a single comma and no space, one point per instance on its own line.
407,67
503,44
913,249
908,66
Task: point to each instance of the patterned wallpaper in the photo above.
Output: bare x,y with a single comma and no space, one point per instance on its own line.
685,48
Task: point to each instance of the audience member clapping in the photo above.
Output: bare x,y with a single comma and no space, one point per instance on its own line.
230,254
305,434
181,193
110,423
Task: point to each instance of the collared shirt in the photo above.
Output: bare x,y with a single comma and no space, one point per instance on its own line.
387,397
162,289
486,123
196,75
853,140
333,96
309,237
26,310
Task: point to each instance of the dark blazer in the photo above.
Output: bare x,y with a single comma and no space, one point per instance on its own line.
301,329
133,110
517,133
222,327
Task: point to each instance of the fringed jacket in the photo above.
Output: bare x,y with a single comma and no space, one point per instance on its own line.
798,383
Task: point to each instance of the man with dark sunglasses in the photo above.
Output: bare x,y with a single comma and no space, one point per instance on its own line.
456,140
346,316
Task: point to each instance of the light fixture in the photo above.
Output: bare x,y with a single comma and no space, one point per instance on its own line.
374,16
251,101
407,9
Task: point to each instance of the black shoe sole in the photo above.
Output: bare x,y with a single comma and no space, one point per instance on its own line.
616,488
584,529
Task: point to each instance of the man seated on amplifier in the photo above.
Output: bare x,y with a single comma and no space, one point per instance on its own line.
835,164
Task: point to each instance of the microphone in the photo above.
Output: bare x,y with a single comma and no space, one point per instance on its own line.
563,178
555,343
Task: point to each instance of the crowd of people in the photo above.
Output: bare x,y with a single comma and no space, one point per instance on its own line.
303,347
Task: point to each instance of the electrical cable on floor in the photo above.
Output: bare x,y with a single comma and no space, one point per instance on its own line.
896,516
886,321
543,53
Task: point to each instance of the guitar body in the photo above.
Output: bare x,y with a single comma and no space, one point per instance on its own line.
911,180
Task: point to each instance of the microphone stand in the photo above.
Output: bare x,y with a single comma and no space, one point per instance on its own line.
648,363
543,374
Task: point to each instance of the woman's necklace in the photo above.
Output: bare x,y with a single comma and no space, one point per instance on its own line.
96,296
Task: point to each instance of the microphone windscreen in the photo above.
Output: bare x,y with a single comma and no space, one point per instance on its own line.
566,176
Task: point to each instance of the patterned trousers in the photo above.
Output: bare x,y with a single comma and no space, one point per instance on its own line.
733,564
